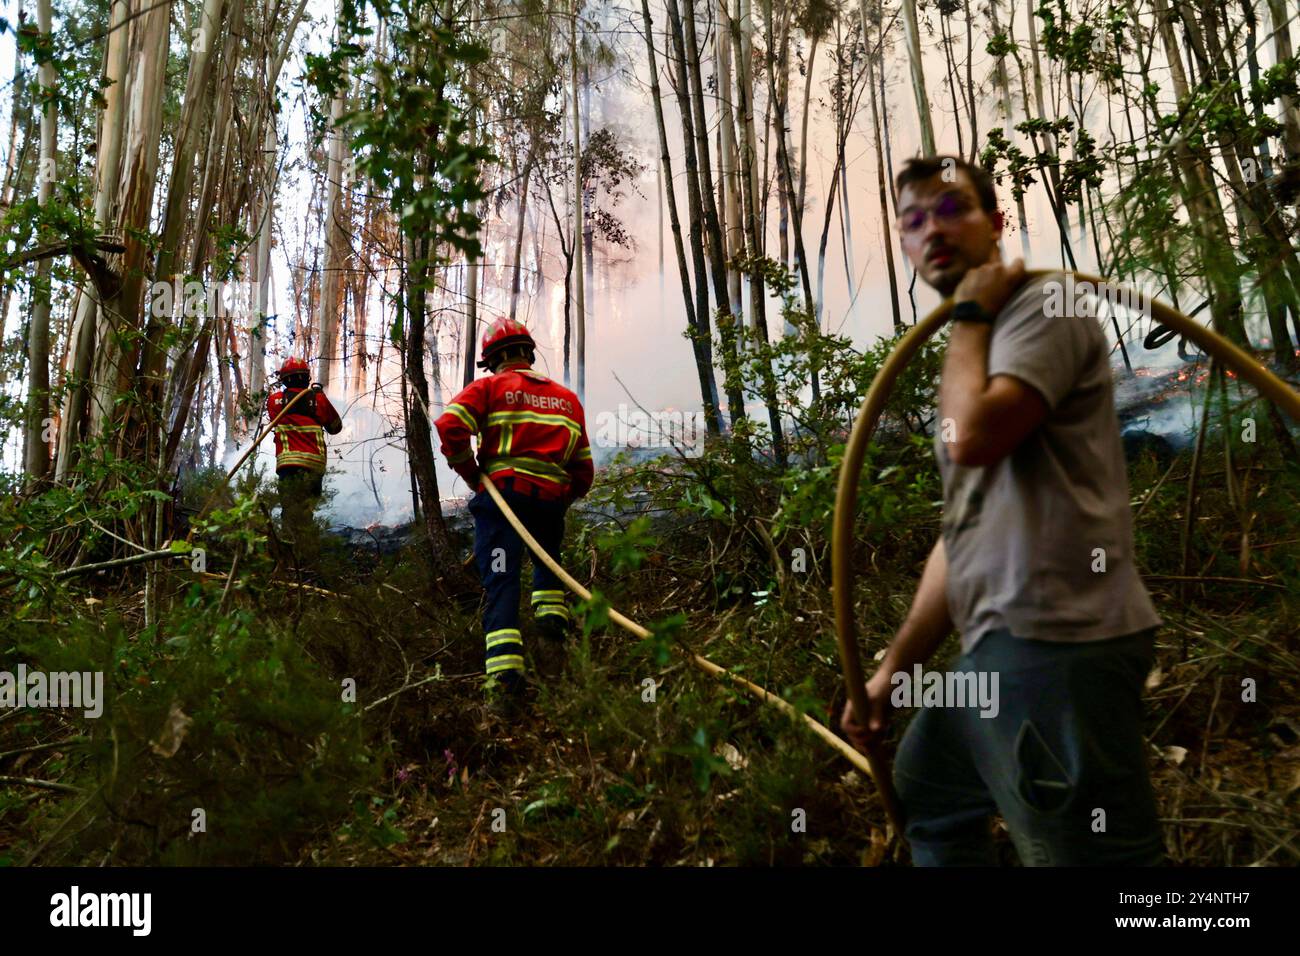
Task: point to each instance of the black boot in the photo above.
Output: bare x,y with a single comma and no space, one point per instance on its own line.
505,694
552,645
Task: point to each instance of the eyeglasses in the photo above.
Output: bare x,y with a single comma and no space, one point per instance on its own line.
950,208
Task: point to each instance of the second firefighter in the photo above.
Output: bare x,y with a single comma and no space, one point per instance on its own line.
532,442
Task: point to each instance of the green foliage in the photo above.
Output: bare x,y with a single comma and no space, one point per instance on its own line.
411,133
627,549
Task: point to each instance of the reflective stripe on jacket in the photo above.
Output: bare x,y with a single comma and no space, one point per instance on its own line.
300,435
529,428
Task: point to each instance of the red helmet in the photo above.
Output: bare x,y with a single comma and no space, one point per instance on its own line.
293,365
499,335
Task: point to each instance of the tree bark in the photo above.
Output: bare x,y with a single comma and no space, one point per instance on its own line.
699,341
108,158
918,77
337,240
580,300
38,340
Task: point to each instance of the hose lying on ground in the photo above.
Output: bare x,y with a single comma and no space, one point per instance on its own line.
1270,387
864,765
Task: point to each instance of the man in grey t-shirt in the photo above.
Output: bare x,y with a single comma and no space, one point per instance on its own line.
1034,568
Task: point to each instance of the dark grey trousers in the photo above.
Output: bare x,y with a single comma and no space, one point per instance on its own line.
1063,760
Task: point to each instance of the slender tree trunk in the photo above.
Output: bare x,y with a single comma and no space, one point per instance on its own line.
712,224
579,198
887,242
743,37
1008,127
14,163
699,342
785,172
803,132
108,159
730,158
913,36
198,88
337,240
1277,11
1214,244
970,86
519,234
262,267
951,65
38,340
471,308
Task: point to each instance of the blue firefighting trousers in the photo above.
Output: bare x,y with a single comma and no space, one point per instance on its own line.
498,552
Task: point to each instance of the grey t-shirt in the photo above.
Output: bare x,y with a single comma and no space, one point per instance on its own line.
1027,538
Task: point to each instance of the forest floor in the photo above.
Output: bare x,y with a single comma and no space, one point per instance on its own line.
225,741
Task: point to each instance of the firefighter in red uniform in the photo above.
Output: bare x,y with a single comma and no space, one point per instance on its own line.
533,443
300,441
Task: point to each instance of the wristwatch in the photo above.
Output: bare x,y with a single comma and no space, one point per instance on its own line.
970,311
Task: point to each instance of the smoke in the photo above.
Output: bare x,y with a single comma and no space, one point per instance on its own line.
367,478
636,353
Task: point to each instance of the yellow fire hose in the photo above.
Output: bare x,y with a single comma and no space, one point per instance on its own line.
702,663
864,426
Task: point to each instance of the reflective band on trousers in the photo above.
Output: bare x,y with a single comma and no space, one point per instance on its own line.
505,651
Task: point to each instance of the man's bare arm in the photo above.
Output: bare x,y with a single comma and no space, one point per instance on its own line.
927,624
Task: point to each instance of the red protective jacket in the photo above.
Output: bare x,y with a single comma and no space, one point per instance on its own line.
529,428
300,436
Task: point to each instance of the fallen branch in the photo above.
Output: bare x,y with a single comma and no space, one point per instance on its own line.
401,690
43,784
119,563
37,747
1193,577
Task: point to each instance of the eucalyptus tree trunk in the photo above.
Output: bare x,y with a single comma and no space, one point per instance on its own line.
730,157
913,35
262,262
517,266
143,90
1008,127
580,297
194,110
14,161
970,86
337,241
216,172
1277,11
107,160
684,39
1214,245
784,168
1052,182
264,117
803,132
887,242
38,334
471,294
950,65
699,343
743,35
